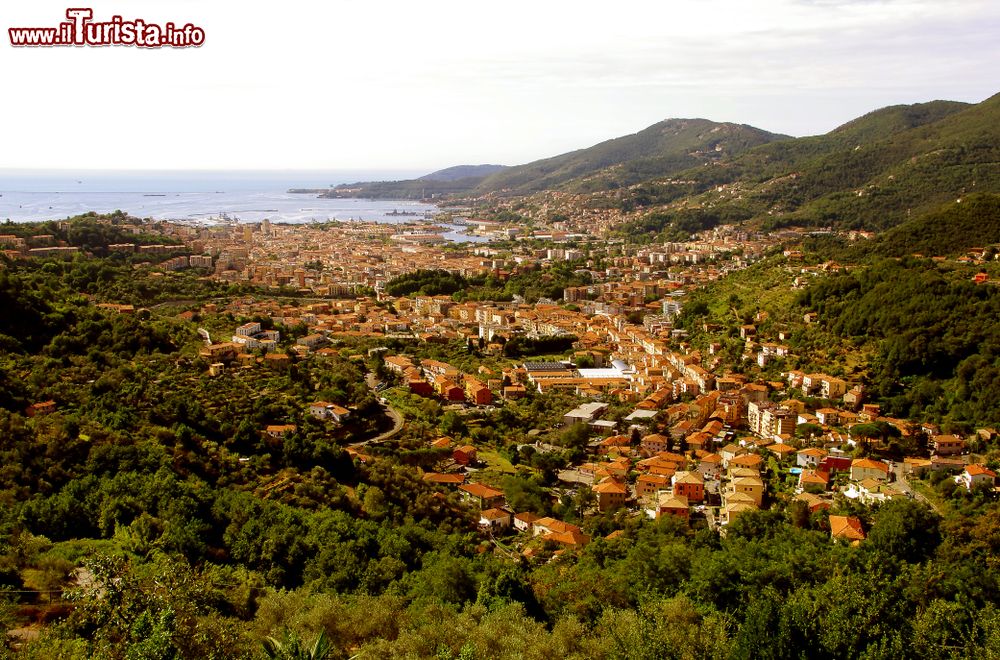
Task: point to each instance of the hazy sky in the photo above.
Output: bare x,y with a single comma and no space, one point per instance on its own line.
425,84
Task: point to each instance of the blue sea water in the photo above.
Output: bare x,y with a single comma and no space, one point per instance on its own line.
196,196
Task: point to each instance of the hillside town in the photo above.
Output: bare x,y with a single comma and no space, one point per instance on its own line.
668,428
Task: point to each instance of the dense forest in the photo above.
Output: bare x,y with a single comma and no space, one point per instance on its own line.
938,343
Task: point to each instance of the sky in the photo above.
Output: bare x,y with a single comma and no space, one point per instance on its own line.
380,84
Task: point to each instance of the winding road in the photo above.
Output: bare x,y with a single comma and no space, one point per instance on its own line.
392,413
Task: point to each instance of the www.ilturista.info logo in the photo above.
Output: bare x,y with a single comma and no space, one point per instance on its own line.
82,30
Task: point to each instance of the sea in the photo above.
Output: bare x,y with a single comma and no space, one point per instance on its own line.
206,196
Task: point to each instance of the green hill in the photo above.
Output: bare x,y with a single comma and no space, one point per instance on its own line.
973,221
874,172
459,172
860,180
661,150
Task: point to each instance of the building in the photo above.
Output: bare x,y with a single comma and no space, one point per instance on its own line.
670,504
750,487
648,485
279,431
810,457
525,522
690,485
974,475
586,413
464,455
655,444
495,519
948,445
482,495
813,481
866,468
610,494
325,410
42,408
444,479
846,528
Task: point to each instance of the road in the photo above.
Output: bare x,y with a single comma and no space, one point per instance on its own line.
904,486
392,413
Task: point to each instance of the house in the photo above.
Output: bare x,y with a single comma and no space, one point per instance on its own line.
610,494
648,485
866,468
278,361
398,363
729,452
950,465
225,352
614,443
311,341
710,466
444,442
752,461
513,392
481,494
916,466
325,410
495,519
670,504
810,457
420,387
813,481
450,390
846,528
976,474
781,450
655,443
525,522
948,445
543,526
42,408
814,502
278,431
853,398
698,441
828,416
641,418
832,388
478,394
872,491
572,539
444,479
690,485
833,464
735,505
751,487
464,455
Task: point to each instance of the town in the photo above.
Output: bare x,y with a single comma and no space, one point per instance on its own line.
658,426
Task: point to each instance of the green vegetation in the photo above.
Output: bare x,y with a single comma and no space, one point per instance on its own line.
660,150
426,283
950,231
934,331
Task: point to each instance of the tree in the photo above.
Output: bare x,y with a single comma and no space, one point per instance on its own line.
905,530
293,648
